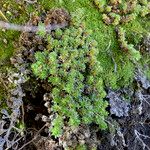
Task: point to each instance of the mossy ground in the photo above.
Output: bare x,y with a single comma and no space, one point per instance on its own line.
110,54
15,13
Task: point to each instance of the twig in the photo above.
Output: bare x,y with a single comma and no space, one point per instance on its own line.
28,28
108,46
22,108
2,81
30,2
115,65
110,54
141,140
33,138
3,16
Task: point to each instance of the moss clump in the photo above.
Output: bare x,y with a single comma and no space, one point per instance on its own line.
120,11
71,67
122,77
124,63
128,48
127,15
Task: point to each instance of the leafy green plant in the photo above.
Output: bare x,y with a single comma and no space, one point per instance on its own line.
70,66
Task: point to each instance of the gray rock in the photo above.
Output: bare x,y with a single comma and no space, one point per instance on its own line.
118,106
142,79
2,142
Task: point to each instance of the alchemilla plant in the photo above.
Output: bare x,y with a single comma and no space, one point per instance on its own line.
70,66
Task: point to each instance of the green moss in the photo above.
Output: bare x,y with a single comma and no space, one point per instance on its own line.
81,147
135,28
134,31
15,13
147,74
122,77
145,64
3,95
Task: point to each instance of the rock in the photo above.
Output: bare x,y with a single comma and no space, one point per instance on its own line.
118,106
142,79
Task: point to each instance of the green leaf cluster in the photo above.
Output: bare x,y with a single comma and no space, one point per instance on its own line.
70,66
